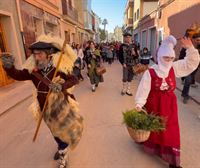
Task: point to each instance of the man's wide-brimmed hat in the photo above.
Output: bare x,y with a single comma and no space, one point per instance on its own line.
127,34
40,45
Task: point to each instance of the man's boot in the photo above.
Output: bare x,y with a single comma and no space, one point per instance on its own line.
93,88
64,158
123,92
128,92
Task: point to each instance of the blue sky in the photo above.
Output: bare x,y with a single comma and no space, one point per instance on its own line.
112,10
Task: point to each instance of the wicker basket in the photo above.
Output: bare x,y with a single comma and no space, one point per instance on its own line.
138,135
100,70
139,68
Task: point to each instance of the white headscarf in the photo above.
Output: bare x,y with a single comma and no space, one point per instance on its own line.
166,49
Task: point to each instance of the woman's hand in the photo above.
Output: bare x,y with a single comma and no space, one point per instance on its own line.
138,108
186,42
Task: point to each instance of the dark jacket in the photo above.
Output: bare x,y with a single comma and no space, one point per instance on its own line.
42,89
125,54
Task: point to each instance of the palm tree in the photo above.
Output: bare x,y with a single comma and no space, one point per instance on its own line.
104,23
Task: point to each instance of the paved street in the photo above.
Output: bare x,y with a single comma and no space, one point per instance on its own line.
105,142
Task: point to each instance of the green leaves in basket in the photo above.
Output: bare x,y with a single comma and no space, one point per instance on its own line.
141,120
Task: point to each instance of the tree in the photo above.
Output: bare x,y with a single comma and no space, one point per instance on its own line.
104,23
102,34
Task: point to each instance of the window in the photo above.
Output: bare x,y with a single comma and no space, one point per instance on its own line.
38,26
73,37
67,37
138,14
70,4
135,17
144,39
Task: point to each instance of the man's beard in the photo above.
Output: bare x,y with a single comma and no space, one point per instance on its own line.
40,65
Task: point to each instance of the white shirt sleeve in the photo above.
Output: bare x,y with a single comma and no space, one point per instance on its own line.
143,90
188,64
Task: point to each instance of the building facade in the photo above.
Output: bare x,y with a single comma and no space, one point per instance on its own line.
142,8
88,20
27,19
128,16
155,20
38,17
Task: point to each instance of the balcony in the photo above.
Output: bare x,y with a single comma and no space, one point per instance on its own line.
69,11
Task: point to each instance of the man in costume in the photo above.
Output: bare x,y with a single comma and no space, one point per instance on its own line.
128,56
60,114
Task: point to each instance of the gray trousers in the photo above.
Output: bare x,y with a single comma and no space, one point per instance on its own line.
127,74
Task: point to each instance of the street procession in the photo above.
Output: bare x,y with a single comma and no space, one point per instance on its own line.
100,83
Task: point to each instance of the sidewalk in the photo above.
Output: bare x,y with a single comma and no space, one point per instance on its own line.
13,94
194,92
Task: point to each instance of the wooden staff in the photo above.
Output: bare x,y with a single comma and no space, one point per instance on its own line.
45,104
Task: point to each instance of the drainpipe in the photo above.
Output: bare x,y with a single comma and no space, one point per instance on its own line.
21,26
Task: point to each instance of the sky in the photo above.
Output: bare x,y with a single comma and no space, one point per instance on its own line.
112,10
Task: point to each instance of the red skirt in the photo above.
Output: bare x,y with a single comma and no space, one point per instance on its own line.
165,144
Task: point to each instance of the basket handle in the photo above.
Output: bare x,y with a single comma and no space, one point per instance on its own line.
144,111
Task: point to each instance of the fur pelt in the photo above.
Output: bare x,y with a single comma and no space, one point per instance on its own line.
62,119
61,116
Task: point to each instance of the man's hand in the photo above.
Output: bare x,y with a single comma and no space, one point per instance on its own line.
186,42
55,87
7,60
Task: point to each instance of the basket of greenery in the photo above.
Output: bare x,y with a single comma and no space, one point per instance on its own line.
141,124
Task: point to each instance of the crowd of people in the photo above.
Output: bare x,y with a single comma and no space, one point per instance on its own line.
92,55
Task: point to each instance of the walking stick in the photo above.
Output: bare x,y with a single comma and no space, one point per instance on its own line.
45,104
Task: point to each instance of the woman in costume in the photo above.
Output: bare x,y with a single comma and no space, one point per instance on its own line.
93,62
156,94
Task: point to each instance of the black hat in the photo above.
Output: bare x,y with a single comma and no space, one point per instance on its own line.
127,34
42,46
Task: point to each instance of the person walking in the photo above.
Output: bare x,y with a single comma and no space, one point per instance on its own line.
93,62
65,126
127,56
110,55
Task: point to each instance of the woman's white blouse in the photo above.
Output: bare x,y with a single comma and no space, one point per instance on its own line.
181,68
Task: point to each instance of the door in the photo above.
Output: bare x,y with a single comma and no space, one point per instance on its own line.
4,79
153,41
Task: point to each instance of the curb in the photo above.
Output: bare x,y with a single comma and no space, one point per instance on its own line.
14,105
